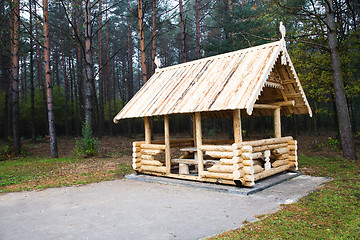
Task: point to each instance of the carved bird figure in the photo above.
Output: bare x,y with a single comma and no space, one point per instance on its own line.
157,62
282,29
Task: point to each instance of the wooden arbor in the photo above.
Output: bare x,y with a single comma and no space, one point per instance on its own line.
220,86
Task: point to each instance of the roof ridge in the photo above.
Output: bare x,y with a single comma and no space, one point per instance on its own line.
218,56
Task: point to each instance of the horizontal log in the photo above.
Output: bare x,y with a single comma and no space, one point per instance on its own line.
269,147
227,161
284,103
153,173
151,151
152,169
238,174
151,162
265,106
293,152
257,169
136,155
136,165
221,168
279,157
246,148
248,184
292,147
221,148
237,152
147,157
271,172
280,151
136,159
216,154
293,166
137,144
293,158
247,162
248,178
278,163
236,159
153,146
248,170
226,176
262,142
292,142
237,166
136,149
254,155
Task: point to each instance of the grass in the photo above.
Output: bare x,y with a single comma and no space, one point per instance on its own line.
38,173
332,212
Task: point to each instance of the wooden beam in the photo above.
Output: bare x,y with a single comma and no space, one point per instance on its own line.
265,106
277,123
200,155
273,85
237,125
147,130
167,145
284,103
194,129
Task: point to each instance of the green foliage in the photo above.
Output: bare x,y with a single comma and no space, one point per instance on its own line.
331,143
88,145
6,150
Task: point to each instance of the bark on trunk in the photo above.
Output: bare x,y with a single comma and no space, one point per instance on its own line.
89,65
182,28
101,79
66,85
109,92
130,79
142,41
345,132
197,23
153,44
15,35
50,106
32,88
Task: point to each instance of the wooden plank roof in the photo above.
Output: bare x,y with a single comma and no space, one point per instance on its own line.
223,82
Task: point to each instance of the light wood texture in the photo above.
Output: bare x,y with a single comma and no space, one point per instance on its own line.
151,151
278,163
151,162
138,144
265,106
153,146
136,165
226,161
136,154
200,155
258,169
147,157
280,151
221,168
152,169
183,168
277,123
261,142
147,130
221,148
270,172
238,174
248,162
207,174
269,147
237,125
167,144
217,154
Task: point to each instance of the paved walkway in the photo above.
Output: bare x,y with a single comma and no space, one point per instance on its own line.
128,209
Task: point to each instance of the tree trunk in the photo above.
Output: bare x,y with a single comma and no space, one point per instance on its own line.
50,106
89,67
182,28
15,36
101,79
130,78
197,23
79,73
66,84
153,44
142,41
108,81
347,143
32,88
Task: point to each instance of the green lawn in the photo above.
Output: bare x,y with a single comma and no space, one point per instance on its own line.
37,173
332,212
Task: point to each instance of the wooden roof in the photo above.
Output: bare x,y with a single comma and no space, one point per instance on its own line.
236,80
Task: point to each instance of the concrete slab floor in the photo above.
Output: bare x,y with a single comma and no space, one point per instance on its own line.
128,209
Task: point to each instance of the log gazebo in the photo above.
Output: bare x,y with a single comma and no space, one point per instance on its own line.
257,81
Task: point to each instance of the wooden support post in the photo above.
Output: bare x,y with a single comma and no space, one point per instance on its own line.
147,130
237,125
167,145
277,123
200,156
194,129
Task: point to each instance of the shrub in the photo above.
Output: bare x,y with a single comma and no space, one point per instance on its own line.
87,145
